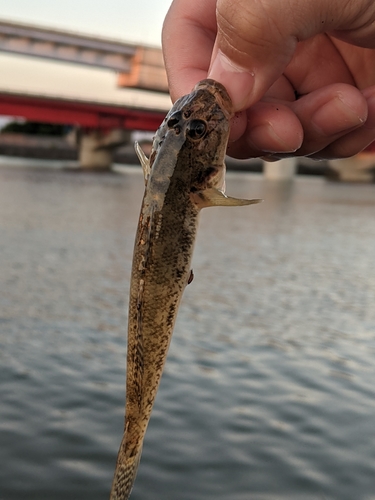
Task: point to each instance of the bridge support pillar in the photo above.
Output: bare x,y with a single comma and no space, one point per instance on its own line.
90,156
96,147
359,168
280,170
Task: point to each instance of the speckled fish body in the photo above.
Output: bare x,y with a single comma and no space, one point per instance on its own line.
184,174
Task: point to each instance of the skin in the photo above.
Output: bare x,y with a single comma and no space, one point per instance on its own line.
300,73
185,174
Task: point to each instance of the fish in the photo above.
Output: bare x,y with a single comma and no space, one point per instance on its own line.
185,173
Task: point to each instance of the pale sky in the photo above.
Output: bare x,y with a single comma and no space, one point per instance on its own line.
129,20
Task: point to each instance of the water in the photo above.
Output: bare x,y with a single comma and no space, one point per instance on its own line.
268,391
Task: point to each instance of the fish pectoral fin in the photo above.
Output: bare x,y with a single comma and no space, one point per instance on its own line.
145,162
213,197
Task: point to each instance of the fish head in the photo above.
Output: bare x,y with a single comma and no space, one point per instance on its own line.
192,140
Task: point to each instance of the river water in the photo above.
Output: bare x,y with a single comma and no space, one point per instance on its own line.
269,387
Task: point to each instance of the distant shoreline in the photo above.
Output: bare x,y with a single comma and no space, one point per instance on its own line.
59,148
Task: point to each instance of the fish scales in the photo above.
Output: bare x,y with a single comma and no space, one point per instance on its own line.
185,173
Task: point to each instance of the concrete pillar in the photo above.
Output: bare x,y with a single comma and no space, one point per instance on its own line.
359,168
280,170
96,147
91,154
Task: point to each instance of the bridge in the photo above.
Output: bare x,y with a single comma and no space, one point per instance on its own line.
88,114
139,66
105,116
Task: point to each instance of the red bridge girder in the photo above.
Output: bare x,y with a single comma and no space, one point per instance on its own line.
86,114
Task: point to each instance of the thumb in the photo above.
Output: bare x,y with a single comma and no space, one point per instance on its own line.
256,39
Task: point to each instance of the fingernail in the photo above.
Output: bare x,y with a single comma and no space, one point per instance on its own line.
263,135
370,122
238,81
322,118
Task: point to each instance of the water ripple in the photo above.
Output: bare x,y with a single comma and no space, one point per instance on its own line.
268,392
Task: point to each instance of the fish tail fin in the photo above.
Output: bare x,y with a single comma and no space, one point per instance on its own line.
125,473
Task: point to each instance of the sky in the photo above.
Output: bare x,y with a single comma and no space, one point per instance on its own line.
138,21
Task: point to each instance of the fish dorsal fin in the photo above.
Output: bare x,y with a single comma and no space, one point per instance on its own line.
213,197
145,162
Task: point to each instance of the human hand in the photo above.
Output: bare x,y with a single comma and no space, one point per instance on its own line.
301,74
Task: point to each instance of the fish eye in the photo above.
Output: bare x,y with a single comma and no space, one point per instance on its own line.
197,129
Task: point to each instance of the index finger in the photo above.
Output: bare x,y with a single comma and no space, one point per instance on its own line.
188,38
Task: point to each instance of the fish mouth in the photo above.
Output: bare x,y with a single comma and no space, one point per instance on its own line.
220,93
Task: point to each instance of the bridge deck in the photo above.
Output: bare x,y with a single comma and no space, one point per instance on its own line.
104,116
139,66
